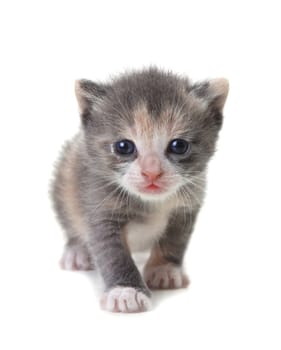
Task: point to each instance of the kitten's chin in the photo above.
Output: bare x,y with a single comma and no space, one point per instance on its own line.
153,197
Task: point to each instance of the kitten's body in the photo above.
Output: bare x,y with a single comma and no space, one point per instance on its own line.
111,203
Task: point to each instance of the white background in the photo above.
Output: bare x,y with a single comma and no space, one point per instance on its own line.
234,256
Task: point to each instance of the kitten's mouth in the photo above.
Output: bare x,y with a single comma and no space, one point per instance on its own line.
152,188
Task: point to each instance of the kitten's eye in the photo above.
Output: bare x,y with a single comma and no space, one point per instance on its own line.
125,147
179,146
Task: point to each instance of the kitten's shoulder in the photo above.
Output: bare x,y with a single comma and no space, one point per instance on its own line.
71,149
67,161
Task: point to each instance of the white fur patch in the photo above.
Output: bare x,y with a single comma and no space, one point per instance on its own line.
141,235
125,299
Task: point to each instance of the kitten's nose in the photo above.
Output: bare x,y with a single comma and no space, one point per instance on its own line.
151,167
152,176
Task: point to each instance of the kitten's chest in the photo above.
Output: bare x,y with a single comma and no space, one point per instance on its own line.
142,233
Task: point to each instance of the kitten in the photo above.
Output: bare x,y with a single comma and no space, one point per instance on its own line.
134,177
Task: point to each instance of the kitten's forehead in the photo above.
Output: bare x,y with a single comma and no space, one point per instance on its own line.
173,121
144,126
150,134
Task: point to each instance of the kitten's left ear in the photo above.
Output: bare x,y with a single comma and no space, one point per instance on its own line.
88,93
214,91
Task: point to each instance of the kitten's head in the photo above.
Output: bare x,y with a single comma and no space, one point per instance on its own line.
151,132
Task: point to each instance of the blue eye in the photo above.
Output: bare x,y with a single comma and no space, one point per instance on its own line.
178,146
125,147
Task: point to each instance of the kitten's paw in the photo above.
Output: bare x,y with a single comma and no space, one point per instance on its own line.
166,276
125,299
76,257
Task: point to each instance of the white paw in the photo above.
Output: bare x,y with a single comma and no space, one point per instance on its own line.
125,299
76,257
166,276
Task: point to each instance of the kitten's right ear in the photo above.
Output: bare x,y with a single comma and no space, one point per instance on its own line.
213,91
88,94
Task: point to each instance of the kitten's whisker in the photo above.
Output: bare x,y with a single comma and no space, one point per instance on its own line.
199,186
124,200
118,200
177,202
187,197
127,204
105,186
179,196
107,197
193,195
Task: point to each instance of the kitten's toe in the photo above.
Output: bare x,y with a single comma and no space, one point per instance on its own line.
76,257
166,276
125,299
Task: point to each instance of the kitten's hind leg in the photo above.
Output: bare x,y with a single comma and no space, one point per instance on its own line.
76,256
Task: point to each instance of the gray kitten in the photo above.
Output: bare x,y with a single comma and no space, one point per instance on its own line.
134,177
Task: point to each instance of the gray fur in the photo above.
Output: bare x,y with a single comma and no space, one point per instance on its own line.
103,210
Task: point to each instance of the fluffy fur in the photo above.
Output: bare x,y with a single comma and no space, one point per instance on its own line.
101,197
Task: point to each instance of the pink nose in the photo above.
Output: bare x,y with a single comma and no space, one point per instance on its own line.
151,167
151,175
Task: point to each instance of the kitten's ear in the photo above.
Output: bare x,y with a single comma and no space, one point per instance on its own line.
88,93
214,91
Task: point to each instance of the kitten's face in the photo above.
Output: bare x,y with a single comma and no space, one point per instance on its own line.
152,133
152,155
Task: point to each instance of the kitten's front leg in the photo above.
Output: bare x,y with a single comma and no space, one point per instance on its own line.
125,288
164,268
